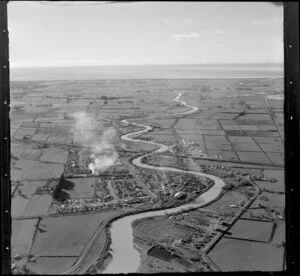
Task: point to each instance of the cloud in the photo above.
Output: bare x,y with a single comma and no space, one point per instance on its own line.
83,3
269,21
209,32
120,2
260,22
187,20
166,20
95,62
196,34
185,36
216,46
218,32
55,63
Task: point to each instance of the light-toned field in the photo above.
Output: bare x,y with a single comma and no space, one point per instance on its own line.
159,229
31,153
228,198
238,255
19,204
67,236
17,149
164,138
215,145
20,169
252,230
22,236
54,155
35,170
30,187
40,137
224,155
257,213
153,265
163,123
170,161
51,265
57,170
83,187
136,146
277,186
192,138
38,205
280,232
253,157
39,170
233,123
96,250
276,157
186,124
273,200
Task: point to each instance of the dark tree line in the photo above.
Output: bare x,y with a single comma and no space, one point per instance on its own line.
63,184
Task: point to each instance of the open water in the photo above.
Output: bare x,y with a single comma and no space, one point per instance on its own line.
196,71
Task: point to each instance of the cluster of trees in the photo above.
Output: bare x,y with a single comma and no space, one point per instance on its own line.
58,193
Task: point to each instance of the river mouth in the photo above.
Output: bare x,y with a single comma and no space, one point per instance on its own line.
125,258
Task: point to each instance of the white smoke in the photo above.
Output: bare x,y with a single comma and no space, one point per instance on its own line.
103,150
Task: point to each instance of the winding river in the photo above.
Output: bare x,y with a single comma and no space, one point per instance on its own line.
126,258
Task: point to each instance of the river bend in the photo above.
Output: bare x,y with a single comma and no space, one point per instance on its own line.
126,258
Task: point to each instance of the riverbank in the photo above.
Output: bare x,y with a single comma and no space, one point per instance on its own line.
122,245
105,255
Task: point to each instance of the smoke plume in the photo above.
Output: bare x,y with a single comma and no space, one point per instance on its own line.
103,150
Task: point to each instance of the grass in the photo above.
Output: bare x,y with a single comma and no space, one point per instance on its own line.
67,236
237,255
22,236
51,265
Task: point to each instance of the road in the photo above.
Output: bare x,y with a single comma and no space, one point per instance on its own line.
206,197
118,247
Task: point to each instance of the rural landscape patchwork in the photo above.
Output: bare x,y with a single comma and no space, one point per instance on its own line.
147,175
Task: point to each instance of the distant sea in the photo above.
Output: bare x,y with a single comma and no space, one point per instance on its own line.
195,71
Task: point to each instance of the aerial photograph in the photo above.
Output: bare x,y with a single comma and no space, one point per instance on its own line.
146,137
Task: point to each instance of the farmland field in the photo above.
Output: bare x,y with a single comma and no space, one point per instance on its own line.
83,187
67,236
51,265
234,255
260,231
38,205
22,236
234,134
19,204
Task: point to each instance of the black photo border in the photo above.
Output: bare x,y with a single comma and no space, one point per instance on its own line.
5,143
291,130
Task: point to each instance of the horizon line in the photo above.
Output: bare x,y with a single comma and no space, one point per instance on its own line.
147,64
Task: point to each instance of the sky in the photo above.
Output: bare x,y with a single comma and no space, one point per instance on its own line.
138,33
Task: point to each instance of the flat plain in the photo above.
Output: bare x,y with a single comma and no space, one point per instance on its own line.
238,125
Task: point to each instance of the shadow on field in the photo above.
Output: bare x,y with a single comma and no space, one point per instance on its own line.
59,194
67,184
